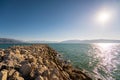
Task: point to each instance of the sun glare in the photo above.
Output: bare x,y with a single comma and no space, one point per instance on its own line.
105,46
104,17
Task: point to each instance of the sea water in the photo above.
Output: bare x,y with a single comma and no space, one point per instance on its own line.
102,60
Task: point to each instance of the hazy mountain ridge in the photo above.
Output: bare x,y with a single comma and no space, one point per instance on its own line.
92,41
14,41
9,41
79,41
37,41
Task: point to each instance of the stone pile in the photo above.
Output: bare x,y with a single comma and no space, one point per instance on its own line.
36,62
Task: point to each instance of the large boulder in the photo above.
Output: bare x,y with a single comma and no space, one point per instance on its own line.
25,69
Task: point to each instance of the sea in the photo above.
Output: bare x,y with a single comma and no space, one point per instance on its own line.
99,60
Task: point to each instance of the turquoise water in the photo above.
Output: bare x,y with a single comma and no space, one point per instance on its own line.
102,60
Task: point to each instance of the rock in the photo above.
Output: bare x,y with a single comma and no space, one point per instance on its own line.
41,69
65,74
36,62
19,78
46,62
18,57
46,73
39,78
40,60
54,71
24,62
23,51
16,51
10,73
45,78
14,75
2,53
1,56
10,63
54,77
25,69
3,75
32,59
33,70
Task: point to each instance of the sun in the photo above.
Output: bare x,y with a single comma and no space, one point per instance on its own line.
103,17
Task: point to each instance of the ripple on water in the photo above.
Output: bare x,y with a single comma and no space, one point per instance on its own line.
102,59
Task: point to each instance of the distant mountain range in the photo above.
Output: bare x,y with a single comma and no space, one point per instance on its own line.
9,41
41,41
92,41
13,41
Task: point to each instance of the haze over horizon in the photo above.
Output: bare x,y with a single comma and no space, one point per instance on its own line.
60,20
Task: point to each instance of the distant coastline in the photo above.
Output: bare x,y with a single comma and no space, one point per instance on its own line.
92,41
14,41
10,41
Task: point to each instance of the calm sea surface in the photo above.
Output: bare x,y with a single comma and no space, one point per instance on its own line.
102,60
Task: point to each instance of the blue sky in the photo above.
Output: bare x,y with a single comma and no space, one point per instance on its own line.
57,20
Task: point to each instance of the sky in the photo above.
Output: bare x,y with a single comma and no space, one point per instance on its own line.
58,20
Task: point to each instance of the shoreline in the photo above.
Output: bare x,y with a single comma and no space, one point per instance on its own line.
36,62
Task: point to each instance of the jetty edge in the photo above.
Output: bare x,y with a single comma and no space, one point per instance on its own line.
36,62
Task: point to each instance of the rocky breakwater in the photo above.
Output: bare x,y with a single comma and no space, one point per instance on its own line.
36,62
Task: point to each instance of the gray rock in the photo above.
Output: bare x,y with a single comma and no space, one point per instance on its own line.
25,69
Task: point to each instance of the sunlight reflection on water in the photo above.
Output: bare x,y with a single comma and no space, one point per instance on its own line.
106,53
101,60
